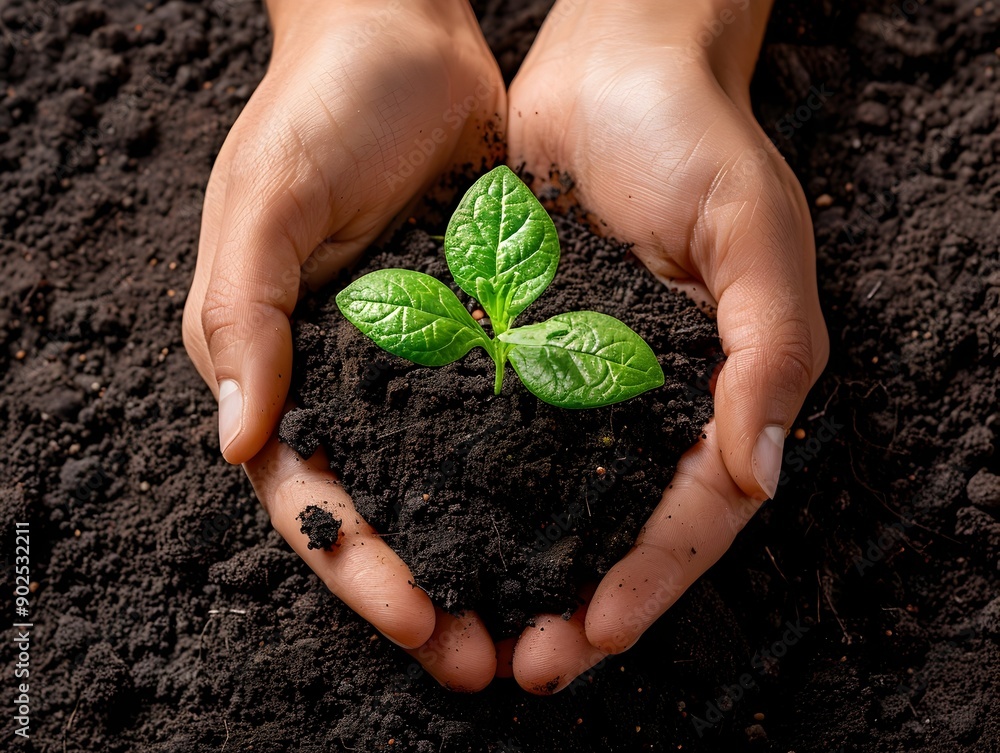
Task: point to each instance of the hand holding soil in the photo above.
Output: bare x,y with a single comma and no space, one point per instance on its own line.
311,173
662,145
664,149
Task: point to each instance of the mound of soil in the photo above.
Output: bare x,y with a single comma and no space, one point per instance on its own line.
502,504
857,612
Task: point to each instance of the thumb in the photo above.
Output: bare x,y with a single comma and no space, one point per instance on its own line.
251,292
262,220
772,332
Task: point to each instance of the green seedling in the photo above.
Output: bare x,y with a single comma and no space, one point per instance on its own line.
502,249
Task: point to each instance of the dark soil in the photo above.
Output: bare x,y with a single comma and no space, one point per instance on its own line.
320,527
503,504
858,612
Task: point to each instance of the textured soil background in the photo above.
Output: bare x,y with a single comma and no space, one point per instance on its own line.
169,617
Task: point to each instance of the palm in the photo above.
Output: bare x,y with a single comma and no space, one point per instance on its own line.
656,150
358,134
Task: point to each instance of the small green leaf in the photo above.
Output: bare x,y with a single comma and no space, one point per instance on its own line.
501,245
411,315
583,360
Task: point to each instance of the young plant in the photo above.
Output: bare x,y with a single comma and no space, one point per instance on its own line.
502,249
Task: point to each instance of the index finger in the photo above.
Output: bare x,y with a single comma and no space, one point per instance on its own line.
360,568
695,523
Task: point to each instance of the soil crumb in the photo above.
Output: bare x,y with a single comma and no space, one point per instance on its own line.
321,527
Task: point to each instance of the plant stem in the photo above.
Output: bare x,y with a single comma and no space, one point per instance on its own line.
499,352
498,381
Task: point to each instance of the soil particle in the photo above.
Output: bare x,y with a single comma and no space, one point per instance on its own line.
322,528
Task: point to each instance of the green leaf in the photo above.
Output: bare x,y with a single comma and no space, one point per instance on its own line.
411,315
583,360
501,245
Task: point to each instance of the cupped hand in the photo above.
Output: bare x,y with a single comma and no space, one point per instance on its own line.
364,105
648,112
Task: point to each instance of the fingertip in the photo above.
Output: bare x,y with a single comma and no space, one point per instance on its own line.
459,653
607,633
632,596
408,625
550,655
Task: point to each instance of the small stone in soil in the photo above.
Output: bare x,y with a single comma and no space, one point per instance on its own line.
321,527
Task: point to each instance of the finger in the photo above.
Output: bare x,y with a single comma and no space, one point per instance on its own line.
460,653
553,652
764,278
695,523
361,570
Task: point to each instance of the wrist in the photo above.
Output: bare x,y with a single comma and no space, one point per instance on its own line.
293,21
729,34
723,35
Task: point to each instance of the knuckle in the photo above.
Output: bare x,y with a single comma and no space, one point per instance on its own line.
218,311
793,360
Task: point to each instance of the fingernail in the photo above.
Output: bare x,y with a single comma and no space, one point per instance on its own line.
230,412
767,458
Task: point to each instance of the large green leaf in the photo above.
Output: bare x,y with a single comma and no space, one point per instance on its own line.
583,359
501,245
411,315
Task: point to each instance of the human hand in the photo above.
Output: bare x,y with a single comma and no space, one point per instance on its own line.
363,106
652,121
